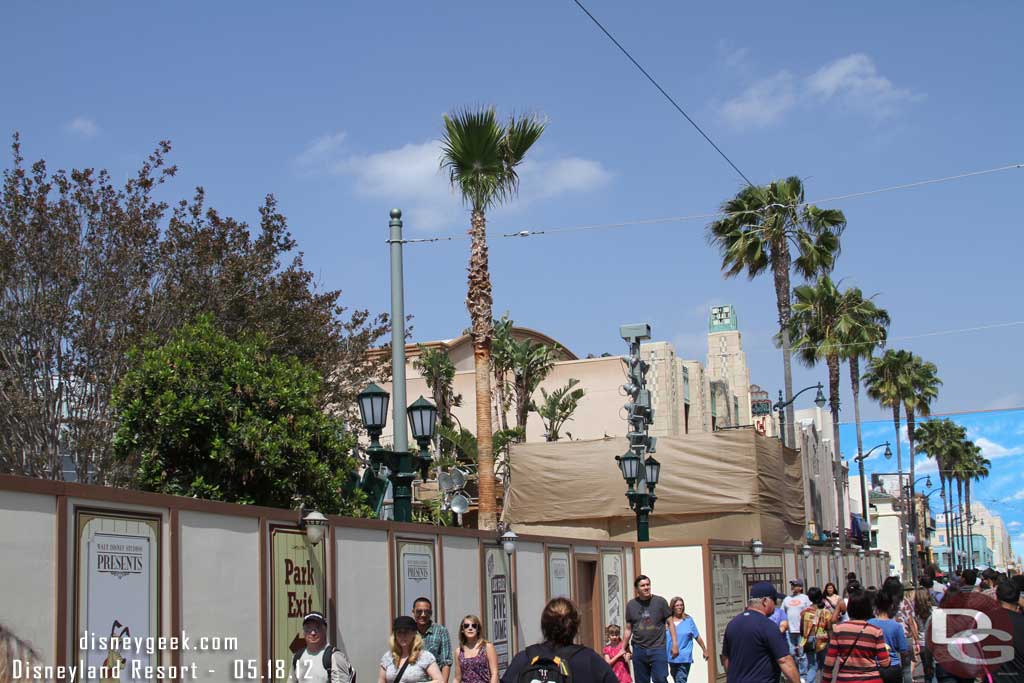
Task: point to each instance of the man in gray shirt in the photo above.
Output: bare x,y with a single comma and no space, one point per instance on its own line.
646,615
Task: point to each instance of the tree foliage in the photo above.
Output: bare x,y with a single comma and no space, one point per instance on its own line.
557,408
89,269
213,417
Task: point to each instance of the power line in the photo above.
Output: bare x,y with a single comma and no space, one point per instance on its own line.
939,333
709,216
662,91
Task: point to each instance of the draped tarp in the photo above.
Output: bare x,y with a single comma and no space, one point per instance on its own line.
726,485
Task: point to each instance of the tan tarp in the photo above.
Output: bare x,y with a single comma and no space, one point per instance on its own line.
725,485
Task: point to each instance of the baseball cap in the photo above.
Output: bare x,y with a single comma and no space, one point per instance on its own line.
765,589
314,615
403,623
796,582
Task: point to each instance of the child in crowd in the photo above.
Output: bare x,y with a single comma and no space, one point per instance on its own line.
615,654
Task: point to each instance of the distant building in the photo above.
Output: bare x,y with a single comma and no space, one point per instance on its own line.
992,527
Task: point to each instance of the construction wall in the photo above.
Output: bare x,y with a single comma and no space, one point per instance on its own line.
91,558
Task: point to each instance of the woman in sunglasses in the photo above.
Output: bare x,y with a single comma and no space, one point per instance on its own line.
477,661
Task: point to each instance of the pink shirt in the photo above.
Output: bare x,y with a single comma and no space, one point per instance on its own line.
619,668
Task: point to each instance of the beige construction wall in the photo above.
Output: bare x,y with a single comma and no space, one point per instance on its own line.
27,568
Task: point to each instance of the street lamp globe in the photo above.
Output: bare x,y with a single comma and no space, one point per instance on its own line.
756,547
860,553
422,420
928,481
652,469
819,398
888,451
373,410
836,550
508,542
806,551
316,527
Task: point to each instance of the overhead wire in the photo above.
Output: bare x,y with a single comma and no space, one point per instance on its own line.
719,214
663,92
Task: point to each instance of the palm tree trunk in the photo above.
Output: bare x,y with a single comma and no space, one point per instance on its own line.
500,387
913,518
854,361
833,391
780,269
522,408
945,505
970,532
479,302
961,525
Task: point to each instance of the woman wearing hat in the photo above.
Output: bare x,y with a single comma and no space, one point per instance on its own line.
406,661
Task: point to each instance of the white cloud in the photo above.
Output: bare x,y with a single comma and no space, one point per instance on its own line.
82,126
1017,496
411,176
1013,525
853,80
991,449
926,466
1014,399
763,103
321,149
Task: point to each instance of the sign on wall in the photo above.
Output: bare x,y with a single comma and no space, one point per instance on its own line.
117,581
298,587
498,620
611,570
416,574
559,578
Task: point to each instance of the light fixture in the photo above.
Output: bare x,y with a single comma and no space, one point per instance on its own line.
422,420
888,451
819,398
629,465
508,542
756,547
315,525
373,409
806,550
860,553
928,481
836,551
652,468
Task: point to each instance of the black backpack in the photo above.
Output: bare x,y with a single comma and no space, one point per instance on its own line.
328,653
547,665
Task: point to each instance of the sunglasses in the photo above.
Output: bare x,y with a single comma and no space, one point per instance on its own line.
423,612
468,626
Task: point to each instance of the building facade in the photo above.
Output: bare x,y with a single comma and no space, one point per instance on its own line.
992,527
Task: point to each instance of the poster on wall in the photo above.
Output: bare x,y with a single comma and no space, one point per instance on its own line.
612,571
117,578
558,574
416,573
498,623
298,586
732,574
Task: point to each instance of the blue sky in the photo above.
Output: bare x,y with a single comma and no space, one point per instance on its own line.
336,109
1000,434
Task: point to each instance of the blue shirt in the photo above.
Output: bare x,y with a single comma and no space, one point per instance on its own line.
754,646
686,632
894,637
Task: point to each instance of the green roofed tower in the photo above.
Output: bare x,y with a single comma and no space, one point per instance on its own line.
727,363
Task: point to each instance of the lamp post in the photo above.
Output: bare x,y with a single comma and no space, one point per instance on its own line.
865,540
638,466
806,551
780,406
837,553
508,544
373,404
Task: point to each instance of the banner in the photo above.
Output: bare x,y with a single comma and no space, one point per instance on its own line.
298,587
416,574
498,604
558,574
117,578
612,570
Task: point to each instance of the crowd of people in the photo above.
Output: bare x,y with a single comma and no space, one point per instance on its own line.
866,634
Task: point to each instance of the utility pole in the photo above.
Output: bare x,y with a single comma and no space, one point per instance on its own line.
638,466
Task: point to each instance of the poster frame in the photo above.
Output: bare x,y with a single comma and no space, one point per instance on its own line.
623,592
156,522
436,599
328,570
548,551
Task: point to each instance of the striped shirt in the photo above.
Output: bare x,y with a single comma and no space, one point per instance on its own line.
859,648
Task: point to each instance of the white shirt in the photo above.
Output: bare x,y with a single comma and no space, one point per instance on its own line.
794,605
416,672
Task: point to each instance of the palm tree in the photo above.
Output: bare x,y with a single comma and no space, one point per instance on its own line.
923,384
937,439
870,331
530,363
763,224
976,469
825,322
557,407
884,383
481,155
501,363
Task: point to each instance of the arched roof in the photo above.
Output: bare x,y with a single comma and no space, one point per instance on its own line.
517,333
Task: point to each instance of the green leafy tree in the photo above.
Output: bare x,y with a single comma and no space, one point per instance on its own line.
438,372
868,331
975,468
213,417
481,156
762,228
923,384
939,440
885,382
531,363
557,408
501,362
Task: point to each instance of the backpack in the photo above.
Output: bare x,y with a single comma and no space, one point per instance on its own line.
545,665
328,665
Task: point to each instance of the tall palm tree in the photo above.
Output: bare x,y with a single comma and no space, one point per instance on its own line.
870,332
825,322
958,466
762,227
481,155
923,383
937,439
977,469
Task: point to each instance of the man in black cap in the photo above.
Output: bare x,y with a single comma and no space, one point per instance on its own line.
320,662
752,651
794,605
